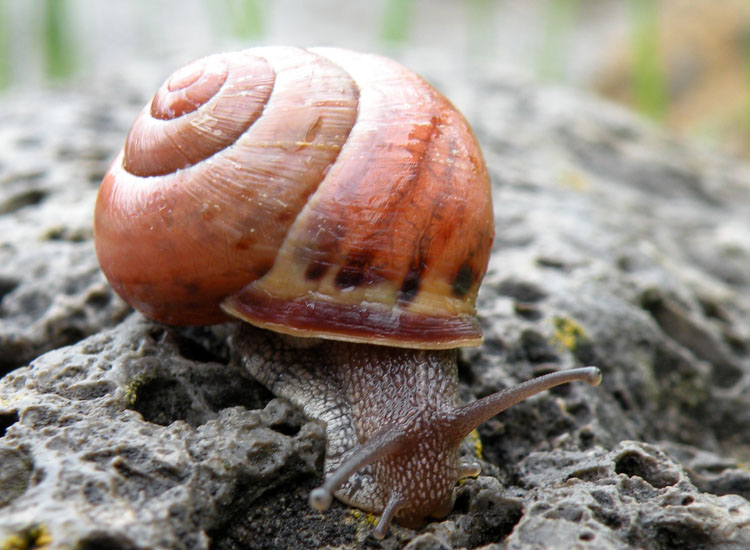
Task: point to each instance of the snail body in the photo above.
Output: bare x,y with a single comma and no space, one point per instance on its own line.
339,200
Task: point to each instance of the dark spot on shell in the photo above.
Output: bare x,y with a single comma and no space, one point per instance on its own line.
285,216
410,285
192,289
352,274
244,243
208,211
463,280
315,270
314,130
349,277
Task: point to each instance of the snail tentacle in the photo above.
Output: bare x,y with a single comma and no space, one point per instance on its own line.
469,469
387,441
471,415
391,509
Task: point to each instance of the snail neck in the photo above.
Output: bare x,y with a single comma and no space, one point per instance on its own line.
393,421
408,422
383,408
405,463
470,416
406,389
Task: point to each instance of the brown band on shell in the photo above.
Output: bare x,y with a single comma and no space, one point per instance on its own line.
315,270
404,206
353,322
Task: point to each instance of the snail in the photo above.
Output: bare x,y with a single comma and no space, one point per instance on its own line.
341,205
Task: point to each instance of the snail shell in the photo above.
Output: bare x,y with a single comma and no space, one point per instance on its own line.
312,192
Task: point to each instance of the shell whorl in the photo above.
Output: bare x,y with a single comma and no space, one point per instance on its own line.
316,192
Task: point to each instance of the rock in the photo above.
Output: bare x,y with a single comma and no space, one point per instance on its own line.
124,431
55,152
427,541
647,502
615,246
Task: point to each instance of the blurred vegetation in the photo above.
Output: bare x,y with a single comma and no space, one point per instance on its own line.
560,18
687,64
246,18
4,47
683,63
396,20
647,74
57,38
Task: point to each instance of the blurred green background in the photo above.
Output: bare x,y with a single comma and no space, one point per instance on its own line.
684,63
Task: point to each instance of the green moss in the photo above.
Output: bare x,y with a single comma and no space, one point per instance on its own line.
568,333
476,443
32,538
131,390
364,520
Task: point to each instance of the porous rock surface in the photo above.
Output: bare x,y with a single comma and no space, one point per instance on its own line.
615,246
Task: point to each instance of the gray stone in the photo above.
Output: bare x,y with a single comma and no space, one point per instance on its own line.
615,246
54,154
633,495
427,541
131,441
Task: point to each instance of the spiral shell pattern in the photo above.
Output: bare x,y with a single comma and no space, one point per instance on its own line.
313,192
